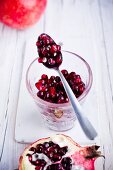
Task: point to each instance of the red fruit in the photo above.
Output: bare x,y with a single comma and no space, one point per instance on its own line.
65,73
44,76
63,157
21,14
52,91
41,85
77,79
54,48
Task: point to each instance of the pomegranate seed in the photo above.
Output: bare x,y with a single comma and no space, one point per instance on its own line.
52,91
40,94
62,151
81,88
52,78
57,79
38,85
46,144
42,162
58,47
29,157
53,48
42,36
66,99
38,44
47,95
51,61
75,88
50,154
40,60
56,157
39,148
67,163
64,72
55,167
51,143
44,76
61,99
44,52
41,85
71,82
39,168
72,74
32,149
46,41
59,59
77,79
37,162
56,146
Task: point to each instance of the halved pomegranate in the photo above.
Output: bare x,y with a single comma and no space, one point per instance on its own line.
58,152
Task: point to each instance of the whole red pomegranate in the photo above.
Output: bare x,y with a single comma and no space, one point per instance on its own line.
21,14
58,152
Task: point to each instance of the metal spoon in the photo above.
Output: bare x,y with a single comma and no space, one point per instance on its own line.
87,127
84,122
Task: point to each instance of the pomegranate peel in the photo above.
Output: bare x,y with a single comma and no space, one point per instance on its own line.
58,152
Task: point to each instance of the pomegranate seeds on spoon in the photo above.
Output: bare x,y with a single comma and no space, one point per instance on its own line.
49,52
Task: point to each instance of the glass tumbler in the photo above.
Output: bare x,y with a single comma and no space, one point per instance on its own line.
58,117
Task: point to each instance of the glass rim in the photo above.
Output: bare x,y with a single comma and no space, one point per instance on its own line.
80,98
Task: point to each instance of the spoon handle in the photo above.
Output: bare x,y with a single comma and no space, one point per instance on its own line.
87,127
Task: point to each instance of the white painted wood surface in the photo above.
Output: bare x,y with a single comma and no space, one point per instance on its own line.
84,27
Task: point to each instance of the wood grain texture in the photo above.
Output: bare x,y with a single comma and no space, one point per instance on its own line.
84,27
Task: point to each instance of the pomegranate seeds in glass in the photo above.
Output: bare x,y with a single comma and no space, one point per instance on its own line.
52,90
